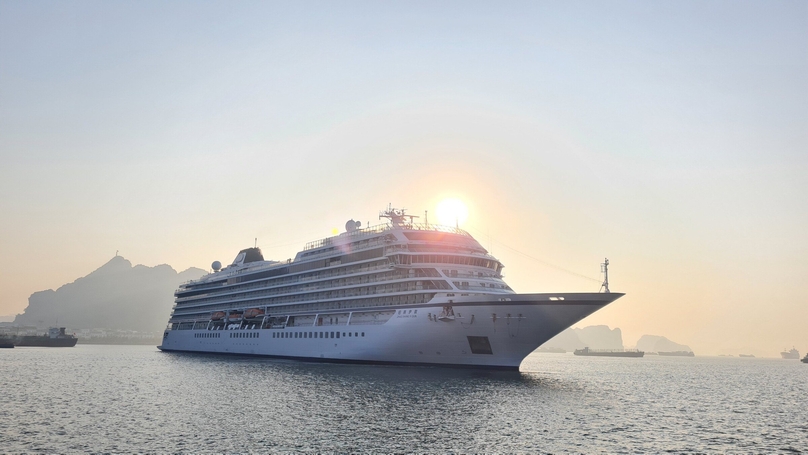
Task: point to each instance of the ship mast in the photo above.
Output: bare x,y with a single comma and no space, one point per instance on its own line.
605,269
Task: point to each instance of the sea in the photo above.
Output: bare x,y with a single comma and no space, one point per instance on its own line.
124,399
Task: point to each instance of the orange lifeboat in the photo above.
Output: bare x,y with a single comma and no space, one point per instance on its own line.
234,316
217,315
253,313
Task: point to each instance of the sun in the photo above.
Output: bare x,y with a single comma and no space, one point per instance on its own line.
452,212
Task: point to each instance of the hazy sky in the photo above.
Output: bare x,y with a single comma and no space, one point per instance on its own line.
671,137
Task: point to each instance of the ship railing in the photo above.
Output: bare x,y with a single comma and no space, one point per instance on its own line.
308,285
354,248
379,228
367,322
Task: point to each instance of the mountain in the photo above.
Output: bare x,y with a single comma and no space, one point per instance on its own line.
116,296
594,337
655,343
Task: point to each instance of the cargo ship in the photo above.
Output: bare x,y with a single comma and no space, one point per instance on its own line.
55,338
791,354
609,352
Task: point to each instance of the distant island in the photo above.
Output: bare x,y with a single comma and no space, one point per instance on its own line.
117,303
593,337
602,337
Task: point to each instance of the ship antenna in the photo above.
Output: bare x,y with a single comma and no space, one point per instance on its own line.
605,269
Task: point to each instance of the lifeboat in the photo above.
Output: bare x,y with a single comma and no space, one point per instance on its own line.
217,315
234,316
253,313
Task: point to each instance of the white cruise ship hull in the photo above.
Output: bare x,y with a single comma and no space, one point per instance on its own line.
482,331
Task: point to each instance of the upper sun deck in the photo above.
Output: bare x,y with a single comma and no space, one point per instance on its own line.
399,221
358,234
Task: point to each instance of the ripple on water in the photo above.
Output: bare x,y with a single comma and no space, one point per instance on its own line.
132,398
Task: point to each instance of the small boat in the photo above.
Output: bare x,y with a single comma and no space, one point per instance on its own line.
804,359
609,352
746,355
217,316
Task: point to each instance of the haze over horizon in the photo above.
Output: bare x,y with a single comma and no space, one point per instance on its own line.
669,137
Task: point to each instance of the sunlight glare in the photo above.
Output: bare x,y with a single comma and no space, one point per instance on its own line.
452,212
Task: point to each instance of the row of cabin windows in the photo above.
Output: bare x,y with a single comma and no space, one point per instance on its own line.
316,265
301,289
326,273
207,335
316,334
324,306
448,259
244,334
300,286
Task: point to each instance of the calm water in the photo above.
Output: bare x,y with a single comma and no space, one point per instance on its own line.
135,398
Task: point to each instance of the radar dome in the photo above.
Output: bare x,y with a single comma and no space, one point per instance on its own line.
350,226
216,266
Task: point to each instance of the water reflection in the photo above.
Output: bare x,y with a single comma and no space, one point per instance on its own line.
123,399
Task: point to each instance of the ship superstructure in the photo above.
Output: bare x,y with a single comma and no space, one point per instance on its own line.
400,292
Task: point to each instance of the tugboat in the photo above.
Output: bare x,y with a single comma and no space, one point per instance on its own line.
55,338
791,354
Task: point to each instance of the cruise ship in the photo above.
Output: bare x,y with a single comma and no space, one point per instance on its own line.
400,292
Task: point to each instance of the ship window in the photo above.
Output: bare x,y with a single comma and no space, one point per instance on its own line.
356,334
349,333
363,333
337,334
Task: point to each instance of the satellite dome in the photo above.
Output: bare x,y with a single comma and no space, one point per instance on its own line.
216,266
350,226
